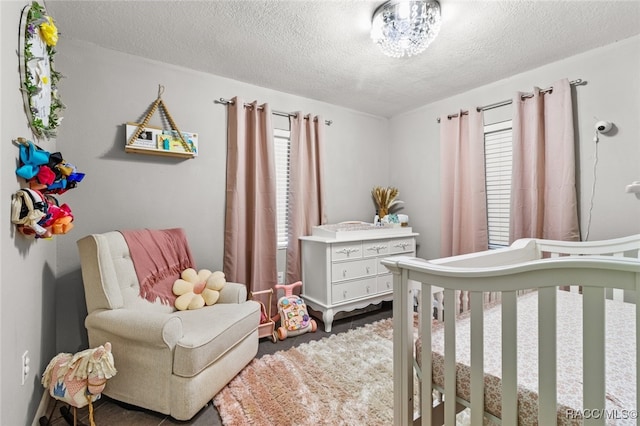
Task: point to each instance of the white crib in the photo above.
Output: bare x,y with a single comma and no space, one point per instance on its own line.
603,278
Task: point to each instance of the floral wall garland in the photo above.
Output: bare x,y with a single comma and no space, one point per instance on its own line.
38,37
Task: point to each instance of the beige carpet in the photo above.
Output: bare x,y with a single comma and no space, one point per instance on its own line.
345,379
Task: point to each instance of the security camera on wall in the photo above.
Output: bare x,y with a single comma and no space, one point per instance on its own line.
604,126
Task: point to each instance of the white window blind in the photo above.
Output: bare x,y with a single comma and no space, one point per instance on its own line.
282,141
498,158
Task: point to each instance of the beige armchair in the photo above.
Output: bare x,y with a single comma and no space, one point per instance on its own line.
172,362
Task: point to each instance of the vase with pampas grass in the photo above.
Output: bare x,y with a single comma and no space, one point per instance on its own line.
385,199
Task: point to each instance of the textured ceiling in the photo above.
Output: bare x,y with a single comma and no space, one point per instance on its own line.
322,50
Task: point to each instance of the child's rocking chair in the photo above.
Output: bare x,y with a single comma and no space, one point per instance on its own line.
78,379
267,325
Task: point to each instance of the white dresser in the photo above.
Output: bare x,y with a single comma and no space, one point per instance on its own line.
342,272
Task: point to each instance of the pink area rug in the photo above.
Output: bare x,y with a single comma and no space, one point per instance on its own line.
345,379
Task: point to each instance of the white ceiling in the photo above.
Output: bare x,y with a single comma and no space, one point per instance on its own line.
322,50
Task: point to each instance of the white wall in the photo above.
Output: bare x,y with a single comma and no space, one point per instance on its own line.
27,267
105,89
612,93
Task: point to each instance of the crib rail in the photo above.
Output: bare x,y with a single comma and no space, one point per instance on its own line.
528,264
618,247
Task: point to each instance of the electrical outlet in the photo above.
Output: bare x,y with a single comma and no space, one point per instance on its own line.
280,277
25,366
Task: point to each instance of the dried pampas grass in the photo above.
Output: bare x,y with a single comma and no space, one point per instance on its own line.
385,198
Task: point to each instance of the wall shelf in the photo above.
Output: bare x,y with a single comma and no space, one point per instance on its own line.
144,139
148,142
154,151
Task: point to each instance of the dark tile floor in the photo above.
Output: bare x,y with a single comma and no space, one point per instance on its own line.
113,413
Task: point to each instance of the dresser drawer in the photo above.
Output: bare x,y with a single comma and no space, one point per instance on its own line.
353,290
375,248
341,271
402,245
384,283
344,251
344,272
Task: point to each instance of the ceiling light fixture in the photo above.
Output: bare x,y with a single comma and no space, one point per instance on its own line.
405,27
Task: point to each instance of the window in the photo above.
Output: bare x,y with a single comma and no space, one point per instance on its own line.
498,158
282,142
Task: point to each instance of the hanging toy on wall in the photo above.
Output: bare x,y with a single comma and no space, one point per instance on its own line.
28,209
38,76
34,210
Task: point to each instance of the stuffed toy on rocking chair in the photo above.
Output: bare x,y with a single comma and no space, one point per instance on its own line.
78,379
294,318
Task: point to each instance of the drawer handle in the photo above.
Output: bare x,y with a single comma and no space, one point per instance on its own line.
347,251
344,294
367,269
344,273
376,248
368,289
388,284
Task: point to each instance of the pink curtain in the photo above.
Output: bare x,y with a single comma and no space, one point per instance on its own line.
306,186
463,191
543,190
250,237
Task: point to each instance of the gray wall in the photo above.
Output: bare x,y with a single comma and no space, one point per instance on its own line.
102,90
612,93
105,89
27,267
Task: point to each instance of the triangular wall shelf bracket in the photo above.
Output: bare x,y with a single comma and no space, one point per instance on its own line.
158,103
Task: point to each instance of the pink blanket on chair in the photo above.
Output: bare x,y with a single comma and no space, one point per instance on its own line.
159,257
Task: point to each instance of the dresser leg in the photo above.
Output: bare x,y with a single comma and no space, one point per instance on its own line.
327,318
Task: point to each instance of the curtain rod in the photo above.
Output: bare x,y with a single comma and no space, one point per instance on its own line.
224,101
576,82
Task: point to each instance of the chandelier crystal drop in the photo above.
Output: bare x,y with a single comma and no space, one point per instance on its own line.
405,27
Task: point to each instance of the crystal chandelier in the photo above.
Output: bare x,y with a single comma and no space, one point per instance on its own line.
405,27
